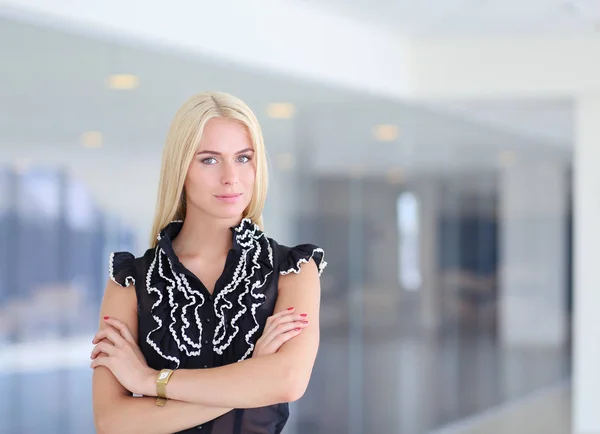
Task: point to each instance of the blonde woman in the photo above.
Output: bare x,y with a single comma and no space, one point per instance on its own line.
216,326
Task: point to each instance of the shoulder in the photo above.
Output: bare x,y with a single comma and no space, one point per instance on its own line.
292,259
123,267
299,268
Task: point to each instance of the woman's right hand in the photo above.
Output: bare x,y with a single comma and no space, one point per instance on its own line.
279,328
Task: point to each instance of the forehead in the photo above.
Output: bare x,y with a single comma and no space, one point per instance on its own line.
224,135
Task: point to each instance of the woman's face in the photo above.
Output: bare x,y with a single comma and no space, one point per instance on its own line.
220,179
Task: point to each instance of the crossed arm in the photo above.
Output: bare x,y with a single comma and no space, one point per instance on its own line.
200,395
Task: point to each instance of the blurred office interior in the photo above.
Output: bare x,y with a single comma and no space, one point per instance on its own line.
442,153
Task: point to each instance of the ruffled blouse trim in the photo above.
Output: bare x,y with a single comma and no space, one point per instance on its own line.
176,307
298,255
123,263
181,303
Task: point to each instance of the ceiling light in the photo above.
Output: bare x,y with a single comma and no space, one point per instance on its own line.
123,81
385,133
92,139
281,110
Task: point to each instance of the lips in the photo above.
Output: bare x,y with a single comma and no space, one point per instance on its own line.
229,198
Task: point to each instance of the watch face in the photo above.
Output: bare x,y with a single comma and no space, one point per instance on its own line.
163,375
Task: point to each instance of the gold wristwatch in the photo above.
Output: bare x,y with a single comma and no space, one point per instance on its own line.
161,386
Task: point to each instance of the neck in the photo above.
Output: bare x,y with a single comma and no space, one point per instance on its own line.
204,236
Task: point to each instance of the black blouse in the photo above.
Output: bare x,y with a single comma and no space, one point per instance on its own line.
181,325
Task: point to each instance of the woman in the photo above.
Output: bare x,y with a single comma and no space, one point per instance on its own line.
211,291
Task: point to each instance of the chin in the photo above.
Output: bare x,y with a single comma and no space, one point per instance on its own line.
228,212
231,215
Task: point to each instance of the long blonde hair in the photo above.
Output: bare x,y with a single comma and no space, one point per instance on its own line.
181,146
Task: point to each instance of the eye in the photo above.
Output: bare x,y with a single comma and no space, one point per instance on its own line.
209,160
244,158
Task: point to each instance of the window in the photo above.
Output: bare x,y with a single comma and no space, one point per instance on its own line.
407,213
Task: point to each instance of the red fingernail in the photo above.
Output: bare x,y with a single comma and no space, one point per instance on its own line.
302,314
105,317
304,322
298,329
290,308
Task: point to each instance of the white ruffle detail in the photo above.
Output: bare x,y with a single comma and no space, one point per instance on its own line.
249,241
149,340
252,242
270,250
221,329
129,280
260,298
197,305
321,265
176,284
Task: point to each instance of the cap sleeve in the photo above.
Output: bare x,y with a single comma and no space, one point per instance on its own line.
122,268
291,258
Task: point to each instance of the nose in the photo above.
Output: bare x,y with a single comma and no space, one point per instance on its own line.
229,174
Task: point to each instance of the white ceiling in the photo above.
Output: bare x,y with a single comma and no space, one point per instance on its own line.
471,17
549,120
545,120
53,89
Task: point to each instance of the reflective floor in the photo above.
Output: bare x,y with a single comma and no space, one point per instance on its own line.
413,385
408,385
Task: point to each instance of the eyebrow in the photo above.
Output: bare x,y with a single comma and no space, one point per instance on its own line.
243,151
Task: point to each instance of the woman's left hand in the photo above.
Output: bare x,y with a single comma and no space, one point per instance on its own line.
123,357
